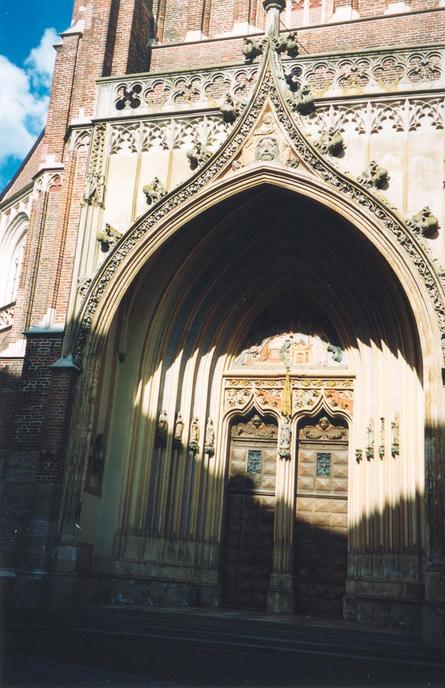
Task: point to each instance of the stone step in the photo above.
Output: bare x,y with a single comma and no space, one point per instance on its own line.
240,630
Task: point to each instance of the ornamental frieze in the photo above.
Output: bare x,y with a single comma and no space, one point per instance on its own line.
237,398
307,393
336,76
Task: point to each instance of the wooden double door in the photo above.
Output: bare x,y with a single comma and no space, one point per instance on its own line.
250,513
320,531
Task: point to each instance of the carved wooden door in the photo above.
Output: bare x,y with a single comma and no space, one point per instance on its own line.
249,514
321,517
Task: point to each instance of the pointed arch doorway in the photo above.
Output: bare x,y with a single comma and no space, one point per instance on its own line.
289,267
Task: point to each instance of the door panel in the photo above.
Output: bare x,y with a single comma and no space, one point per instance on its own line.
249,516
321,517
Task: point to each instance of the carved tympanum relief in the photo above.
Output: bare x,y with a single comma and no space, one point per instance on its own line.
255,427
292,349
323,430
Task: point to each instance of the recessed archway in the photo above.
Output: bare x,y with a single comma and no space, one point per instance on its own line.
258,264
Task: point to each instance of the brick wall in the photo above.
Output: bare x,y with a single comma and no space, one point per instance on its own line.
401,30
31,478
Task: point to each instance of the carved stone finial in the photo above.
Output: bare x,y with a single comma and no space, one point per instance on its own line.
198,155
287,44
107,237
230,108
154,192
331,142
302,101
253,49
374,176
292,77
424,223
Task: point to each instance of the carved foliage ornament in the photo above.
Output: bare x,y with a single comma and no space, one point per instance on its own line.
331,142
374,176
94,192
356,193
424,223
197,155
107,237
154,192
237,398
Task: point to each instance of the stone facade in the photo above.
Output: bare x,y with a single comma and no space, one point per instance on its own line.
198,241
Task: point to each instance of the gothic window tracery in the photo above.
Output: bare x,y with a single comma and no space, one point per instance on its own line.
12,247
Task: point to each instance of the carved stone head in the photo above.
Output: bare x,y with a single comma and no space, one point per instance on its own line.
267,149
324,423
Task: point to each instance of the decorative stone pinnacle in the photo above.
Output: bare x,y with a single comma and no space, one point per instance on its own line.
273,10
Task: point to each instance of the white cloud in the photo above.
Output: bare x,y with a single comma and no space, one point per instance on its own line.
24,99
40,61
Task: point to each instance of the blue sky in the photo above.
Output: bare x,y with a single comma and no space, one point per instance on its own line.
28,29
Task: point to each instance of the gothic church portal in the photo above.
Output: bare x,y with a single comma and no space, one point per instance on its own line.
223,314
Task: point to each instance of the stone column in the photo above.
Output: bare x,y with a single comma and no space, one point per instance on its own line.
273,10
280,596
